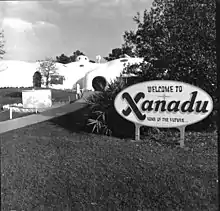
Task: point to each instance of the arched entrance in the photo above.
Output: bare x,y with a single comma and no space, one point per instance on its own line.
99,83
37,79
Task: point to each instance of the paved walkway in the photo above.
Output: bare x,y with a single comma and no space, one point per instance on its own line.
17,123
14,124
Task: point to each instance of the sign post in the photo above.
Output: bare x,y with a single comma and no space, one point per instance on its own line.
182,136
10,111
137,132
163,104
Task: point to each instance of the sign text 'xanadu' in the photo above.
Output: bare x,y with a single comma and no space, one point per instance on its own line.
163,104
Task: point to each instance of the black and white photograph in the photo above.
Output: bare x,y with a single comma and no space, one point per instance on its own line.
109,105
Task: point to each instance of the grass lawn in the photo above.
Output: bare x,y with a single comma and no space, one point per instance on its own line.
5,115
14,95
46,167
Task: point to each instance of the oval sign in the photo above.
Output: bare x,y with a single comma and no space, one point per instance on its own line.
163,103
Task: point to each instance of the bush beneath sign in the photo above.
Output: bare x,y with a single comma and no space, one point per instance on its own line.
105,120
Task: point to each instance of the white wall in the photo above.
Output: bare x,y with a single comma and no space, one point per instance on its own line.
20,74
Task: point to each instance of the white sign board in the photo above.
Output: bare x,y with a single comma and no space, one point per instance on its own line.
37,98
163,104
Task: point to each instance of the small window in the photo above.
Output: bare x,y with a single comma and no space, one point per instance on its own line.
124,60
81,65
57,79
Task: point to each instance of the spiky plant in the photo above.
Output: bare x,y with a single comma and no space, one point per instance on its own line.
101,105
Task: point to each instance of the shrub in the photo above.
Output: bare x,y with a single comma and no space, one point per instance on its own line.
14,95
104,119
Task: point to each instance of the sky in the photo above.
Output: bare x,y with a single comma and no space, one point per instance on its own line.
37,29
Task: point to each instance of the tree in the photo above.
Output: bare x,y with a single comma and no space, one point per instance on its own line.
68,59
180,34
75,54
47,68
218,59
2,51
119,52
63,59
115,54
2,43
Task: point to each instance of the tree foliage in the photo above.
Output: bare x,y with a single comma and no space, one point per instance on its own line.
2,43
75,54
63,59
118,53
177,37
180,35
218,61
68,59
47,68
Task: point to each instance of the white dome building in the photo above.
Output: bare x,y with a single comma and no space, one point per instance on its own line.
89,75
98,78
